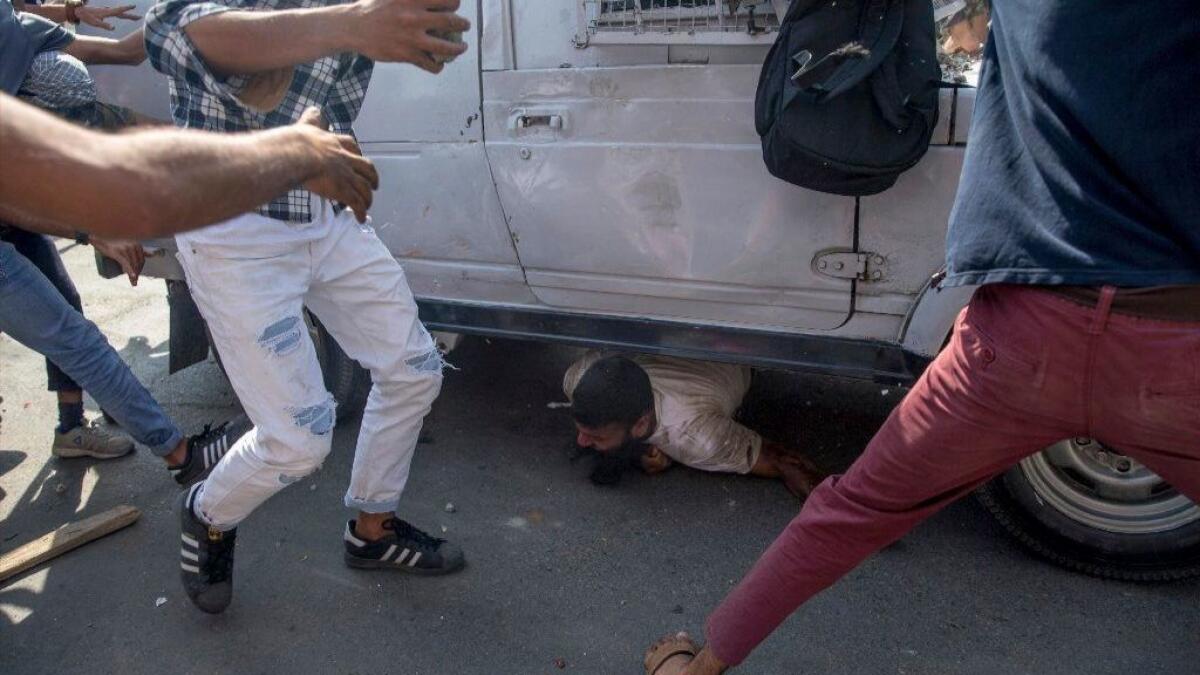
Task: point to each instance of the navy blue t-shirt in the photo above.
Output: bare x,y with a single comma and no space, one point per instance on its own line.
23,36
1083,165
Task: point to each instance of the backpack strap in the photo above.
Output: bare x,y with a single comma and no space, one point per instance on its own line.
838,71
781,9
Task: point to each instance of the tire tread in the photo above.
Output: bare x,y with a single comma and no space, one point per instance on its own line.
1012,521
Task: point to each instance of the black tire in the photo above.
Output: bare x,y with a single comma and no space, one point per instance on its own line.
348,381
1042,518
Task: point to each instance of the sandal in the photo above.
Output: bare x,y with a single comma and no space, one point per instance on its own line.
663,650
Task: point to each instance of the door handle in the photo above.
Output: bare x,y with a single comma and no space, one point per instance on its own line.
552,121
523,119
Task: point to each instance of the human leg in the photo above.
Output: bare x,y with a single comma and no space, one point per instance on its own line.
362,298
1144,381
35,314
251,298
40,250
1005,387
252,302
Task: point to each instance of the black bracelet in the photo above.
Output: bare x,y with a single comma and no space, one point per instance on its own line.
83,238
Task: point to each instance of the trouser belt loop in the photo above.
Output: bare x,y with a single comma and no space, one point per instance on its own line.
1103,310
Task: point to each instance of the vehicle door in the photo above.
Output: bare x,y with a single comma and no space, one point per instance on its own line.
621,137
437,208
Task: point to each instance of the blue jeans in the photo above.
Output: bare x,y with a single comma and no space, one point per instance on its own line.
41,251
34,313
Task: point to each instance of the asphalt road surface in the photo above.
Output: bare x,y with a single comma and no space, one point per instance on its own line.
557,568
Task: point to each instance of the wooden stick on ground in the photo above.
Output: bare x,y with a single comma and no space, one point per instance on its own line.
66,538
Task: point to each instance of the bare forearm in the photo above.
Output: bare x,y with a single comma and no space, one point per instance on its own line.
55,13
141,184
248,42
31,223
191,179
128,51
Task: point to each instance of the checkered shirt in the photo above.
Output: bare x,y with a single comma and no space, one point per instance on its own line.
202,99
57,80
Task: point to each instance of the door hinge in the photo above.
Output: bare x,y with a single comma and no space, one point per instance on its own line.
849,265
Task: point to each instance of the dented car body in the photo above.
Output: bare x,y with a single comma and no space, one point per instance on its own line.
555,186
596,180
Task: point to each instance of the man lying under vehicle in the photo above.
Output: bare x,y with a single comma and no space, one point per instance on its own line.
662,410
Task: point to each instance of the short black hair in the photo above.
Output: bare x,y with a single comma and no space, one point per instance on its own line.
614,389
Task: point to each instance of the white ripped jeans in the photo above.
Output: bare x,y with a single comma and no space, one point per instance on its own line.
252,293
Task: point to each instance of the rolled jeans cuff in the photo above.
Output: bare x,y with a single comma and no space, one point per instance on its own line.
388,506
167,447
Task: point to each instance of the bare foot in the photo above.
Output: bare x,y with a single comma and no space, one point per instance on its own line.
670,655
799,475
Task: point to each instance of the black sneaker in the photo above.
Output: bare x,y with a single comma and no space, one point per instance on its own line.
405,548
207,448
207,558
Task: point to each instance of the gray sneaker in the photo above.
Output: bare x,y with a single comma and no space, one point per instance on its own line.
92,440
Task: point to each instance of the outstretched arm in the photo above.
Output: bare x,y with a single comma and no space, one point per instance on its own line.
246,42
91,15
59,178
128,51
55,13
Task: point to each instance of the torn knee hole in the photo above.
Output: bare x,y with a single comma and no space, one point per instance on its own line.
282,337
428,362
319,420
296,476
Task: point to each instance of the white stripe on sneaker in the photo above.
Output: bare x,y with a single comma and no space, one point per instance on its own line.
190,540
190,500
400,560
415,558
190,568
388,555
189,555
353,539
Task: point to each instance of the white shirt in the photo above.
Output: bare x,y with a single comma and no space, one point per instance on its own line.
695,402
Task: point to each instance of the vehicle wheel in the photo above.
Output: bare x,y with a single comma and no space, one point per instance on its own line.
1093,510
349,382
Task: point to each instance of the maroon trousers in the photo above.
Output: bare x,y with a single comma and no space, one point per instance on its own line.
1026,368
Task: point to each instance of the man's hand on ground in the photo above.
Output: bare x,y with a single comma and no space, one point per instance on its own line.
344,176
399,31
129,255
654,460
799,475
99,16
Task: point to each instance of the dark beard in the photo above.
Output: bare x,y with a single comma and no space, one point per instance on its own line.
610,466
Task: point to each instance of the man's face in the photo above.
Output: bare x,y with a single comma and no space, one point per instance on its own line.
607,438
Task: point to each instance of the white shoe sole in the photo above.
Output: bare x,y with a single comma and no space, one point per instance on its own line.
75,453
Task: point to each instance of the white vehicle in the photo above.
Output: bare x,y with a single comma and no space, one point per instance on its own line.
589,173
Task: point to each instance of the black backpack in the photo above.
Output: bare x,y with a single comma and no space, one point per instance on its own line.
848,95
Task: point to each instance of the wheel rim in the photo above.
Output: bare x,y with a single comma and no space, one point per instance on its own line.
1100,488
